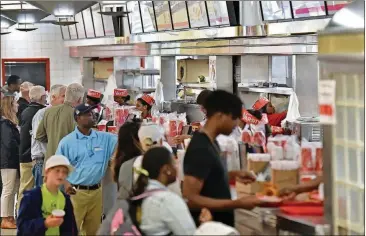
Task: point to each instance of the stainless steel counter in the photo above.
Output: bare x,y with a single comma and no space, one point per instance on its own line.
271,221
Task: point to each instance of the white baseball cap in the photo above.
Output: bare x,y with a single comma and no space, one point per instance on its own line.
150,132
58,160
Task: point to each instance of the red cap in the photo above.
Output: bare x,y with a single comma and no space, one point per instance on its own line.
94,93
120,92
260,103
148,99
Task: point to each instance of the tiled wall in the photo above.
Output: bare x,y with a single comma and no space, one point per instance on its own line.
45,42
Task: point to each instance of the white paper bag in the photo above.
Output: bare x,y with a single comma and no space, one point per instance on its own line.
293,109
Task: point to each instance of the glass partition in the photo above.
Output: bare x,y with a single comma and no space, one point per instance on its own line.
72,29
97,20
80,26
88,22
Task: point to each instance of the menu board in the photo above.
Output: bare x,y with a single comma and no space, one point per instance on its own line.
108,23
65,32
147,12
217,13
334,6
308,8
197,13
97,19
134,17
80,26
162,13
276,10
179,14
89,27
72,29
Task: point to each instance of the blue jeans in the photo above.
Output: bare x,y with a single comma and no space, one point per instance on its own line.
37,173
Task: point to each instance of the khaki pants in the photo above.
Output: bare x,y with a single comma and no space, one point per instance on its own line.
88,210
26,180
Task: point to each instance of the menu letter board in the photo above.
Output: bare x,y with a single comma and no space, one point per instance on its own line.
108,23
89,27
134,17
334,6
197,13
97,19
276,10
217,13
72,29
147,12
80,26
163,15
179,13
308,8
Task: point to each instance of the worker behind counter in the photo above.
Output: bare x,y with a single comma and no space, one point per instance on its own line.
121,97
144,104
94,98
274,119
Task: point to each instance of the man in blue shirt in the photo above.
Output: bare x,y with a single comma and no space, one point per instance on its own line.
89,152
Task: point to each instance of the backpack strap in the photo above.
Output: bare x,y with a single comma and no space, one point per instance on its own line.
146,194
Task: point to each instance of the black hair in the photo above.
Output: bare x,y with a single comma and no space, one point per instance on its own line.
154,159
256,113
144,103
95,100
201,98
264,109
127,98
13,79
224,102
128,145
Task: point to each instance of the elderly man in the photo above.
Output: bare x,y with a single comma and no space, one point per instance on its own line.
59,121
24,99
89,152
57,97
37,95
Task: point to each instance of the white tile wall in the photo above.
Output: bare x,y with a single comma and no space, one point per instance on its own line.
45,42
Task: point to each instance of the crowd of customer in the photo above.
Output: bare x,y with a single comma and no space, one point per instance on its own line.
59,161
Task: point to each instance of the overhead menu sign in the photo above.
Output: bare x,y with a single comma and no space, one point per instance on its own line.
218,13
197,13
97,20
147,12
80,26
89,27
134,17
308,8
163,15
179,14
276,10
108,23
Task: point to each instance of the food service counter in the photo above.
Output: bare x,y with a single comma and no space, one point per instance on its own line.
270,221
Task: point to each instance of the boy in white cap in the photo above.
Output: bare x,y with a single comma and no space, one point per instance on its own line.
46,210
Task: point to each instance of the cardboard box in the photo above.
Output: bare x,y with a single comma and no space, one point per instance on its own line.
256,166
284,178
243,190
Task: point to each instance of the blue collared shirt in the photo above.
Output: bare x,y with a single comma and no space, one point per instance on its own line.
89,155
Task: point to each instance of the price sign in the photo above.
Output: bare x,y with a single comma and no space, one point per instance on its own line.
327,108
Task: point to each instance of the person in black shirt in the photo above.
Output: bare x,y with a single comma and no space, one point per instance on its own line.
206,183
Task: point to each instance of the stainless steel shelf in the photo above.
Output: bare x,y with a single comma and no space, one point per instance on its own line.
277,90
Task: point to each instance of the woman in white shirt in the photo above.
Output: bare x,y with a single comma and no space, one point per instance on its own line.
164,212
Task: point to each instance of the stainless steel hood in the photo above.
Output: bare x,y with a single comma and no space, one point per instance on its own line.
28,16
62,8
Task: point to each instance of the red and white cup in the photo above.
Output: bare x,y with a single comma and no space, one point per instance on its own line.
102,127
112,129
58,213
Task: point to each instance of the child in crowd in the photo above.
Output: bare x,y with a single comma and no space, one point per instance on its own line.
46,210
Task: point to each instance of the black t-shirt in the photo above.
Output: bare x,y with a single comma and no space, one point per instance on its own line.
202,160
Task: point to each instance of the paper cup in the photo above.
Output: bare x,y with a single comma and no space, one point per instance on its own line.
58,213
112,129
102,127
